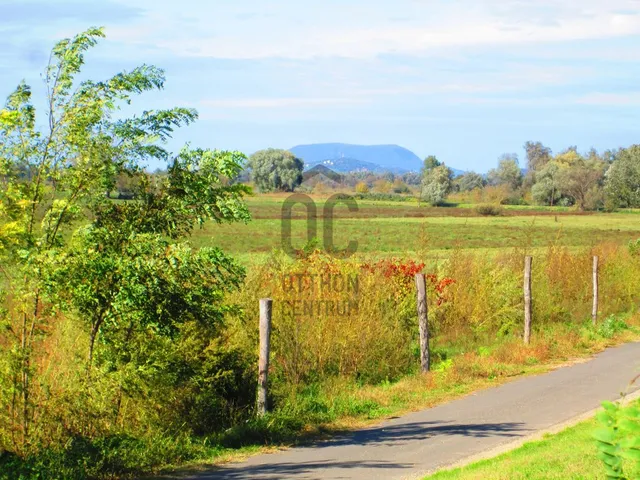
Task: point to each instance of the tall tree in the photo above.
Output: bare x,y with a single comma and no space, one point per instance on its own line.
412,178
55,217
274,169
581,182
571,177
537,155
429,164
469,181
437,184
508,172
622,183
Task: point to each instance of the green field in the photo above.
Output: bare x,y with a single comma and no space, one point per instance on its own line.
406,229
570,454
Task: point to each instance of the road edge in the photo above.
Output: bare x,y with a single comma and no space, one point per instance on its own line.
539,435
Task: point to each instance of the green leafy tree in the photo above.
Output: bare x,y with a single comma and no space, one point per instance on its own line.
134,240
469,181
412,178
400,187
119,267
437,184
622,184
537,155
274,169
548,187
362,187
429,164
582,182
568,178
508,172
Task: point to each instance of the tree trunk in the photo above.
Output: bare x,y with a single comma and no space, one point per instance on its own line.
527,300
423,322
594,311
266,305
92,341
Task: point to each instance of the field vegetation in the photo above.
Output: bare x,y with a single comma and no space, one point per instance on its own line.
403,229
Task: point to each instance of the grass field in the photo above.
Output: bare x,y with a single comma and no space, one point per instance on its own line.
570,454
405,229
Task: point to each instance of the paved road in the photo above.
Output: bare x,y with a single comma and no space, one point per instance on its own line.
415,444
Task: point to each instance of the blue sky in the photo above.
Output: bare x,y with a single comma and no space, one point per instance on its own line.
466,80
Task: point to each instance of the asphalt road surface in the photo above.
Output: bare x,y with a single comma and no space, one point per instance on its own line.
421,442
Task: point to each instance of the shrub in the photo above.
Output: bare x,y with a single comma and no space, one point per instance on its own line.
386,197
513,199
400,187
362,187
327,331
382,186
612,325
489,210
618,440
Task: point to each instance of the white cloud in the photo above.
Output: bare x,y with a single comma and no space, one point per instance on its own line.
341,30
309,60
268,103
511,77
270,109
628,99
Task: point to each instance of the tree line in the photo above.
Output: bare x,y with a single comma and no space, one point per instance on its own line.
588,181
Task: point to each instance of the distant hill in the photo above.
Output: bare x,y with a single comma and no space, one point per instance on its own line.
344,157
321,170
384,157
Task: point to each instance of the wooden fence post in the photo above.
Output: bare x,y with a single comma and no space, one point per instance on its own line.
266,305
527,299
594,312
423,321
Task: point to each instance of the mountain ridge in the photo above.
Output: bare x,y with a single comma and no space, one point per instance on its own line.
347,157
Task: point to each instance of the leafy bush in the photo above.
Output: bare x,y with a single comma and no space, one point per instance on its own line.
114,456
618,440
489,210
611,326
383,197
634,247
400,187
514,199
362,187
125,357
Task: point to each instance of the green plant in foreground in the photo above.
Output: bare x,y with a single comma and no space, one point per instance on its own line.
612,325
618,440
145,306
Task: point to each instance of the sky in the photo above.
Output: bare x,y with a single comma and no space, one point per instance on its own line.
465,80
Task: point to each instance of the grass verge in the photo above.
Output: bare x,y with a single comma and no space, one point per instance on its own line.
570,454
